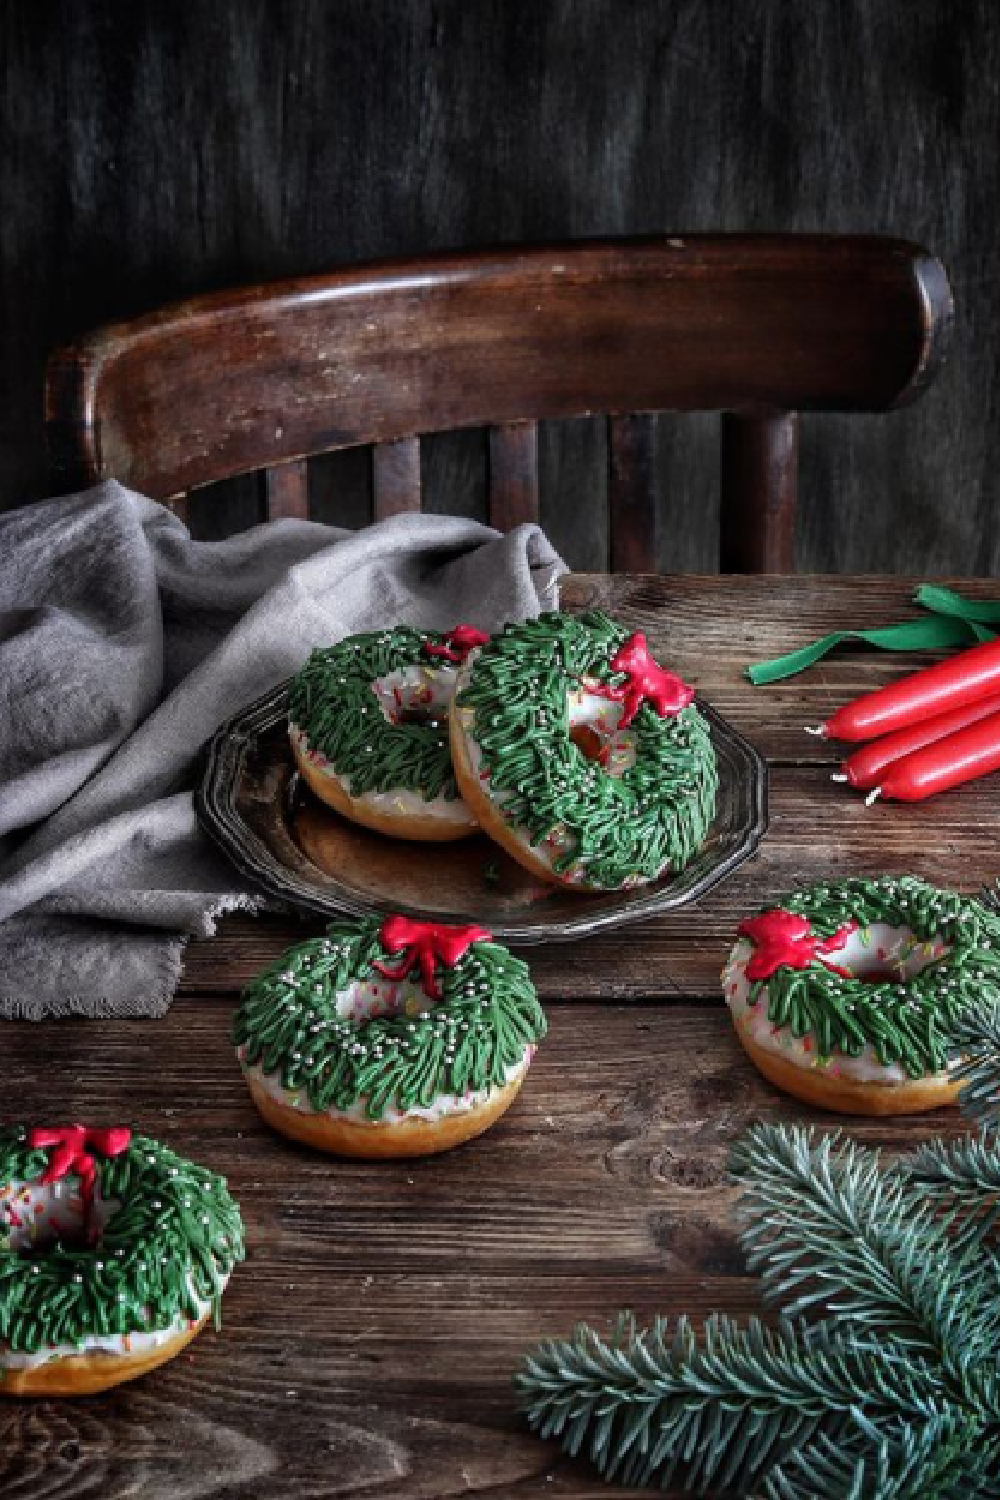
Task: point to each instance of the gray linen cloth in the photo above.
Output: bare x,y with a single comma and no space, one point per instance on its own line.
123,645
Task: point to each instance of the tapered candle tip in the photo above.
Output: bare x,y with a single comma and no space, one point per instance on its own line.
819,729
839,776
877,792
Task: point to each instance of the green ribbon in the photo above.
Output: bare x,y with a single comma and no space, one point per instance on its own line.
953,621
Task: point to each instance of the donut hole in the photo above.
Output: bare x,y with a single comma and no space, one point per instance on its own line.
591,745
593,730
37,1219
426,717
368,999
418,695
881,954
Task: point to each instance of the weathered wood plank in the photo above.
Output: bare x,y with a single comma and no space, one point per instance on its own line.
710,628
355,1336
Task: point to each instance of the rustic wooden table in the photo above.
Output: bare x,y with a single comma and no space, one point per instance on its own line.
369,1340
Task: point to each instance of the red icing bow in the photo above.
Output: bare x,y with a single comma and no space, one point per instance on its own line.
647,683
422,944
782,940
71,1147
458,643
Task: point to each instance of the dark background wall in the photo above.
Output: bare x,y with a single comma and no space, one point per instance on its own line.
151,150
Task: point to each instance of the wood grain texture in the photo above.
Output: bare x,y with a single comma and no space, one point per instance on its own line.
220,385
513,475
708,629
395,478
369,1340
635,503
340,136
817,831
759,493
286,491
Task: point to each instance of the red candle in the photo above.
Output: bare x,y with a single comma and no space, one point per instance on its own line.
863,769
960,757
966,678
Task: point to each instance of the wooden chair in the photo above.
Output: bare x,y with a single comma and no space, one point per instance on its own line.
759,328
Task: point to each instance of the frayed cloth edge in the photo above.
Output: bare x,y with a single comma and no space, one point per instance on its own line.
154,1005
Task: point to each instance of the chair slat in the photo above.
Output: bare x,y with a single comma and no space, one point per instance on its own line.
513,479
396,478
286,490
634,494
759,478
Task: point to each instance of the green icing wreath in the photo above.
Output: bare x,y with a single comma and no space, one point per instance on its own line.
908,1023
331,701
169,1246
288,1024
652,818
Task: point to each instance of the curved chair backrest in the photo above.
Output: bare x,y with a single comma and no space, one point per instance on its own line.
756,327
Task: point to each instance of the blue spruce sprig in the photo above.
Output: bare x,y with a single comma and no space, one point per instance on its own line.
882,1377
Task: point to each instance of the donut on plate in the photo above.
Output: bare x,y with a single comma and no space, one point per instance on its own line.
368,724
581,756
843,994
114,1251
388,1038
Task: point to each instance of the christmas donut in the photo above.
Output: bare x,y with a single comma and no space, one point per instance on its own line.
843,995
579,755
369,732
398,1038
113,1253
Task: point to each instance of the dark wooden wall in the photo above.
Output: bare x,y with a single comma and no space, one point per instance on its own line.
152,149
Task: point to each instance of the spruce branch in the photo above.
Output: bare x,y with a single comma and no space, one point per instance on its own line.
961,1180
720,1409
826,1229
975,1036
941,1460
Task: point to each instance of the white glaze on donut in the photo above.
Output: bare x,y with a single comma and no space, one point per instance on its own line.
364,1000
32,1215
877,948
440,1108
418,688
585,708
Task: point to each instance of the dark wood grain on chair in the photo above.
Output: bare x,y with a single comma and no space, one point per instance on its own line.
513,475
754,325
633,494
396,478
758,474
287,490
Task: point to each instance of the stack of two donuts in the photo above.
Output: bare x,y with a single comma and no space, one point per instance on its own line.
561,738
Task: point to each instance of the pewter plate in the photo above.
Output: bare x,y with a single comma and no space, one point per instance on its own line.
254,804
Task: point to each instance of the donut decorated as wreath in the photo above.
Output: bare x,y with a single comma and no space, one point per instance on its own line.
389,1038
114,1253
587,761
368,725
844,994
